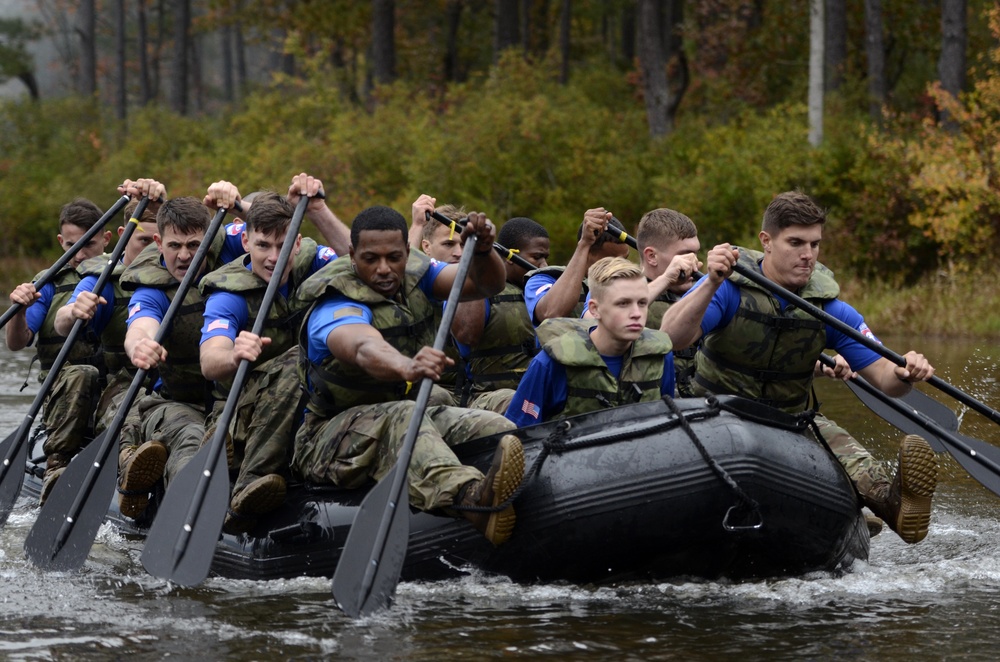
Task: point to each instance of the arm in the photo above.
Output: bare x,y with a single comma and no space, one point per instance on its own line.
144,352
156,191
84,308
470,320
363,346
896,380
678,271
682,321
418,216
563,296
537,397
220,356
487,275
335,233
18,335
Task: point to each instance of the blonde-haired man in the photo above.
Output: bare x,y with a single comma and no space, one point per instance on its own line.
608,360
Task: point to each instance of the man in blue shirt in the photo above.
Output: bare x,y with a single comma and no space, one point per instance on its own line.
757,346
608,360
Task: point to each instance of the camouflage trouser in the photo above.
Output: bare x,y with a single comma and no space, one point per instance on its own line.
363,442
863,469
68,409
495,401
267,414
111,399
178,425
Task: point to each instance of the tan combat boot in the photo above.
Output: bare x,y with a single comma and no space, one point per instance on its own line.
55,465
499,484
258,498
139,468
905,504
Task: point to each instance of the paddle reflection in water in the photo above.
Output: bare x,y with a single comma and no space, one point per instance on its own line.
933,600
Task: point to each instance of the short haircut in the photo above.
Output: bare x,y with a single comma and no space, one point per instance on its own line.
661,227
518,232
451,212
80,212
607,270
148,215
378,218
791,208
269,214
186,215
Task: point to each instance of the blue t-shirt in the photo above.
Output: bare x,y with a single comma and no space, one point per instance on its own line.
36,312
542,391
226,313
536,287
339,310
726,302
103,315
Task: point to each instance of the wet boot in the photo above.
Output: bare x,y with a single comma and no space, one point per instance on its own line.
55,465
874,525
139,469
905,503
499,484
258,498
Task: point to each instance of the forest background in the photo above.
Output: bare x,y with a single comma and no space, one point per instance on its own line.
887,112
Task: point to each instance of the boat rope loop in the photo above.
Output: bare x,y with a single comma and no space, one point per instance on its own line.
745,515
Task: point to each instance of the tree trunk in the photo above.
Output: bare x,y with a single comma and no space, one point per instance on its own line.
196,81
954,34
875,49
145,90
383,41
816,30
505,27
628,33
453,18
228,83
525,28
654,68
673,19
120,95
241,59
182,45
87,29
565,22
836,43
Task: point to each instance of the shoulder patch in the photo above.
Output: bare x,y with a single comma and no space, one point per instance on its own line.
327,253
348,311
235,228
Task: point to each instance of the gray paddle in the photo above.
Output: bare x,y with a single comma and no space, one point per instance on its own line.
373,554
67,524
181,543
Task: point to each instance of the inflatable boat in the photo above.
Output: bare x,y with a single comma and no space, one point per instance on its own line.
717,487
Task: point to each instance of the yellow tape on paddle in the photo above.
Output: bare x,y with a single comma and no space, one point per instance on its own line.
511,252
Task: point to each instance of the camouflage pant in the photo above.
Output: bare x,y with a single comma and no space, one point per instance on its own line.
363,442
111,399
264,422
178,425
495,401
863,469
68,409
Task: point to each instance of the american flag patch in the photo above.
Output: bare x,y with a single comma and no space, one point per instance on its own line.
531,409
543,288
235,229
327,253
217,324
133,310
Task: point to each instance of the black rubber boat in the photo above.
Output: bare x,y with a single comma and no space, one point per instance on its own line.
695,487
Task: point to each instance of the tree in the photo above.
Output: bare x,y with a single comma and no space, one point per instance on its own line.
182,46
506,27
835,43
951,64
86,29
565,21
654,68
876,58
816,61
15,61
120,94
383,40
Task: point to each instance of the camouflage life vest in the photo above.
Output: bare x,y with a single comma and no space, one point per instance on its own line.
507,345
87,348
284,317
407,325
590,385
684,363
765,353
555,272
113,336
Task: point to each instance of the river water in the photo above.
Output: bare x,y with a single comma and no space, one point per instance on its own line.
935,600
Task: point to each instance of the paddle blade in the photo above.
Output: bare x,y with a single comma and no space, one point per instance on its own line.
980,459
934,410
181,543
898,419
364,552
67,524
13,457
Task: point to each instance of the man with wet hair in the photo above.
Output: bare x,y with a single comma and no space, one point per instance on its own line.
70,404
756,345
367,346
607,360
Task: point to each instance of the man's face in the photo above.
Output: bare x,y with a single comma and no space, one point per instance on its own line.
621,308
444,245
662,258
178,250
69,235
264,250
790,255
380,260
536,252
141,237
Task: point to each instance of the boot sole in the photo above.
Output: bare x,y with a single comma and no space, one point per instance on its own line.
501,525
258,498
143,471
918,470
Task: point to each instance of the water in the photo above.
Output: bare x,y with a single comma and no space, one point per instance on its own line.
939,599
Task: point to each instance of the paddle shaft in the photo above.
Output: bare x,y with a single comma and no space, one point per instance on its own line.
400,486
68,255
508,254
871,344
218,441
621,235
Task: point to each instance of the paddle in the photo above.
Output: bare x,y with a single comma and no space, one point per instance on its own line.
14,449
68,255
977,457
64,532
854,334
620,234
373,554
181,542
508,254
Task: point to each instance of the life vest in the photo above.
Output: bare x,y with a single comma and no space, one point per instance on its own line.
684,363
555,272
407,325
113,335
284,316
765,353
589,384
507,345
48,342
